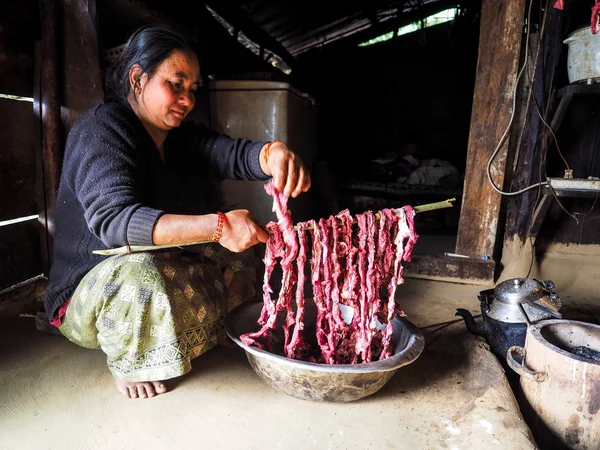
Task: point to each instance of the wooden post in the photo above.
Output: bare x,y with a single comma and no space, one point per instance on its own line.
37,139
497,66
50,109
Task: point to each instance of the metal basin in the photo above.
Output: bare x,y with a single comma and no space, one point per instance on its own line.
323,382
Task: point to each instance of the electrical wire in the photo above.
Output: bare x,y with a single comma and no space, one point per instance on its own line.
537,106
512,117
551,131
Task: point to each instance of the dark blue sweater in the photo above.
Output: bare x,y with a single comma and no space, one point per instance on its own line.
114,187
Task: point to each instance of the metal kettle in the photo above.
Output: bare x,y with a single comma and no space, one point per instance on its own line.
508,308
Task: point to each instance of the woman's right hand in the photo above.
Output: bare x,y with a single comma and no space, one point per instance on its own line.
241,232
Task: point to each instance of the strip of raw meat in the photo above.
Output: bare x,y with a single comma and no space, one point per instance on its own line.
596,17
340,329
324,229
348,295
360,323
371,285
387,223
274,249
404,241
283,243
409,230
322,326
297,348
284,221
383,262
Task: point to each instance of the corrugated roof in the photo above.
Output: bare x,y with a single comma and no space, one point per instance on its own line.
302,25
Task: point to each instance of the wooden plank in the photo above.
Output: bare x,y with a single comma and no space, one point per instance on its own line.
27,298
20,254
499,50
17,160
442,268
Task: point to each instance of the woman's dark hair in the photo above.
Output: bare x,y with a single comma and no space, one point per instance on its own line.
148,46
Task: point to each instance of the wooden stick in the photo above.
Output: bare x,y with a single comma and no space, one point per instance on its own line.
143,248
148,248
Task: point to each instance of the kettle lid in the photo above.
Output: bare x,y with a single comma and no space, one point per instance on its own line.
518,290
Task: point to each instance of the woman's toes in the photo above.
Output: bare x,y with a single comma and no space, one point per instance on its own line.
141,391
145,389
132,392
123,390
159,387
149,389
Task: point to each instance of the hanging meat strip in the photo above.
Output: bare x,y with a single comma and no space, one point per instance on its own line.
348,281
322,322
404,242
297,349
283,244
358,270
275,249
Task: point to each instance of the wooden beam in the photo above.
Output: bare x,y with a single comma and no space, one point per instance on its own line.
50,107
497,66
45,238
445,268
25,298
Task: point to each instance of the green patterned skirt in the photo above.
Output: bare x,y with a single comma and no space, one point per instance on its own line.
152,313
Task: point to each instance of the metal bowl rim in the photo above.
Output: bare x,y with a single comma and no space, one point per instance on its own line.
410,353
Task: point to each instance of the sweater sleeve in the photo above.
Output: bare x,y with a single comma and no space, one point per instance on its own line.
227,158
101,162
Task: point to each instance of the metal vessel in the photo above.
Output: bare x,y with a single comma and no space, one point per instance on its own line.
560,382
323,382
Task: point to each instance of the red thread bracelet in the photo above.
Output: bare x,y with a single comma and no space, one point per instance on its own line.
269,148
219,230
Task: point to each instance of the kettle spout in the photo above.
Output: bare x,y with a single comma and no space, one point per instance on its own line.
476,328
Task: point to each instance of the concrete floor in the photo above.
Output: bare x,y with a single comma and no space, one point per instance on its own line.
55,395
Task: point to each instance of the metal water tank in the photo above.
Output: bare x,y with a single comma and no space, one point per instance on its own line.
264,111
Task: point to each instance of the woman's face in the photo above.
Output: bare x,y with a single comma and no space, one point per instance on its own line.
168,96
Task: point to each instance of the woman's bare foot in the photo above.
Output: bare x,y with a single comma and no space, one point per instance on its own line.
141,389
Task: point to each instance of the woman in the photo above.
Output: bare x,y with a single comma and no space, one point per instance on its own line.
132,175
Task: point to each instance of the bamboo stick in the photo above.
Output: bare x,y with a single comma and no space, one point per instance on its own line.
148,248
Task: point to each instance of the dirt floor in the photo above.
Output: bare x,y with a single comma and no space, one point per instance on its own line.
55,395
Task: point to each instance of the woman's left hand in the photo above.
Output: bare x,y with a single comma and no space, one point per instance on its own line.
286,168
